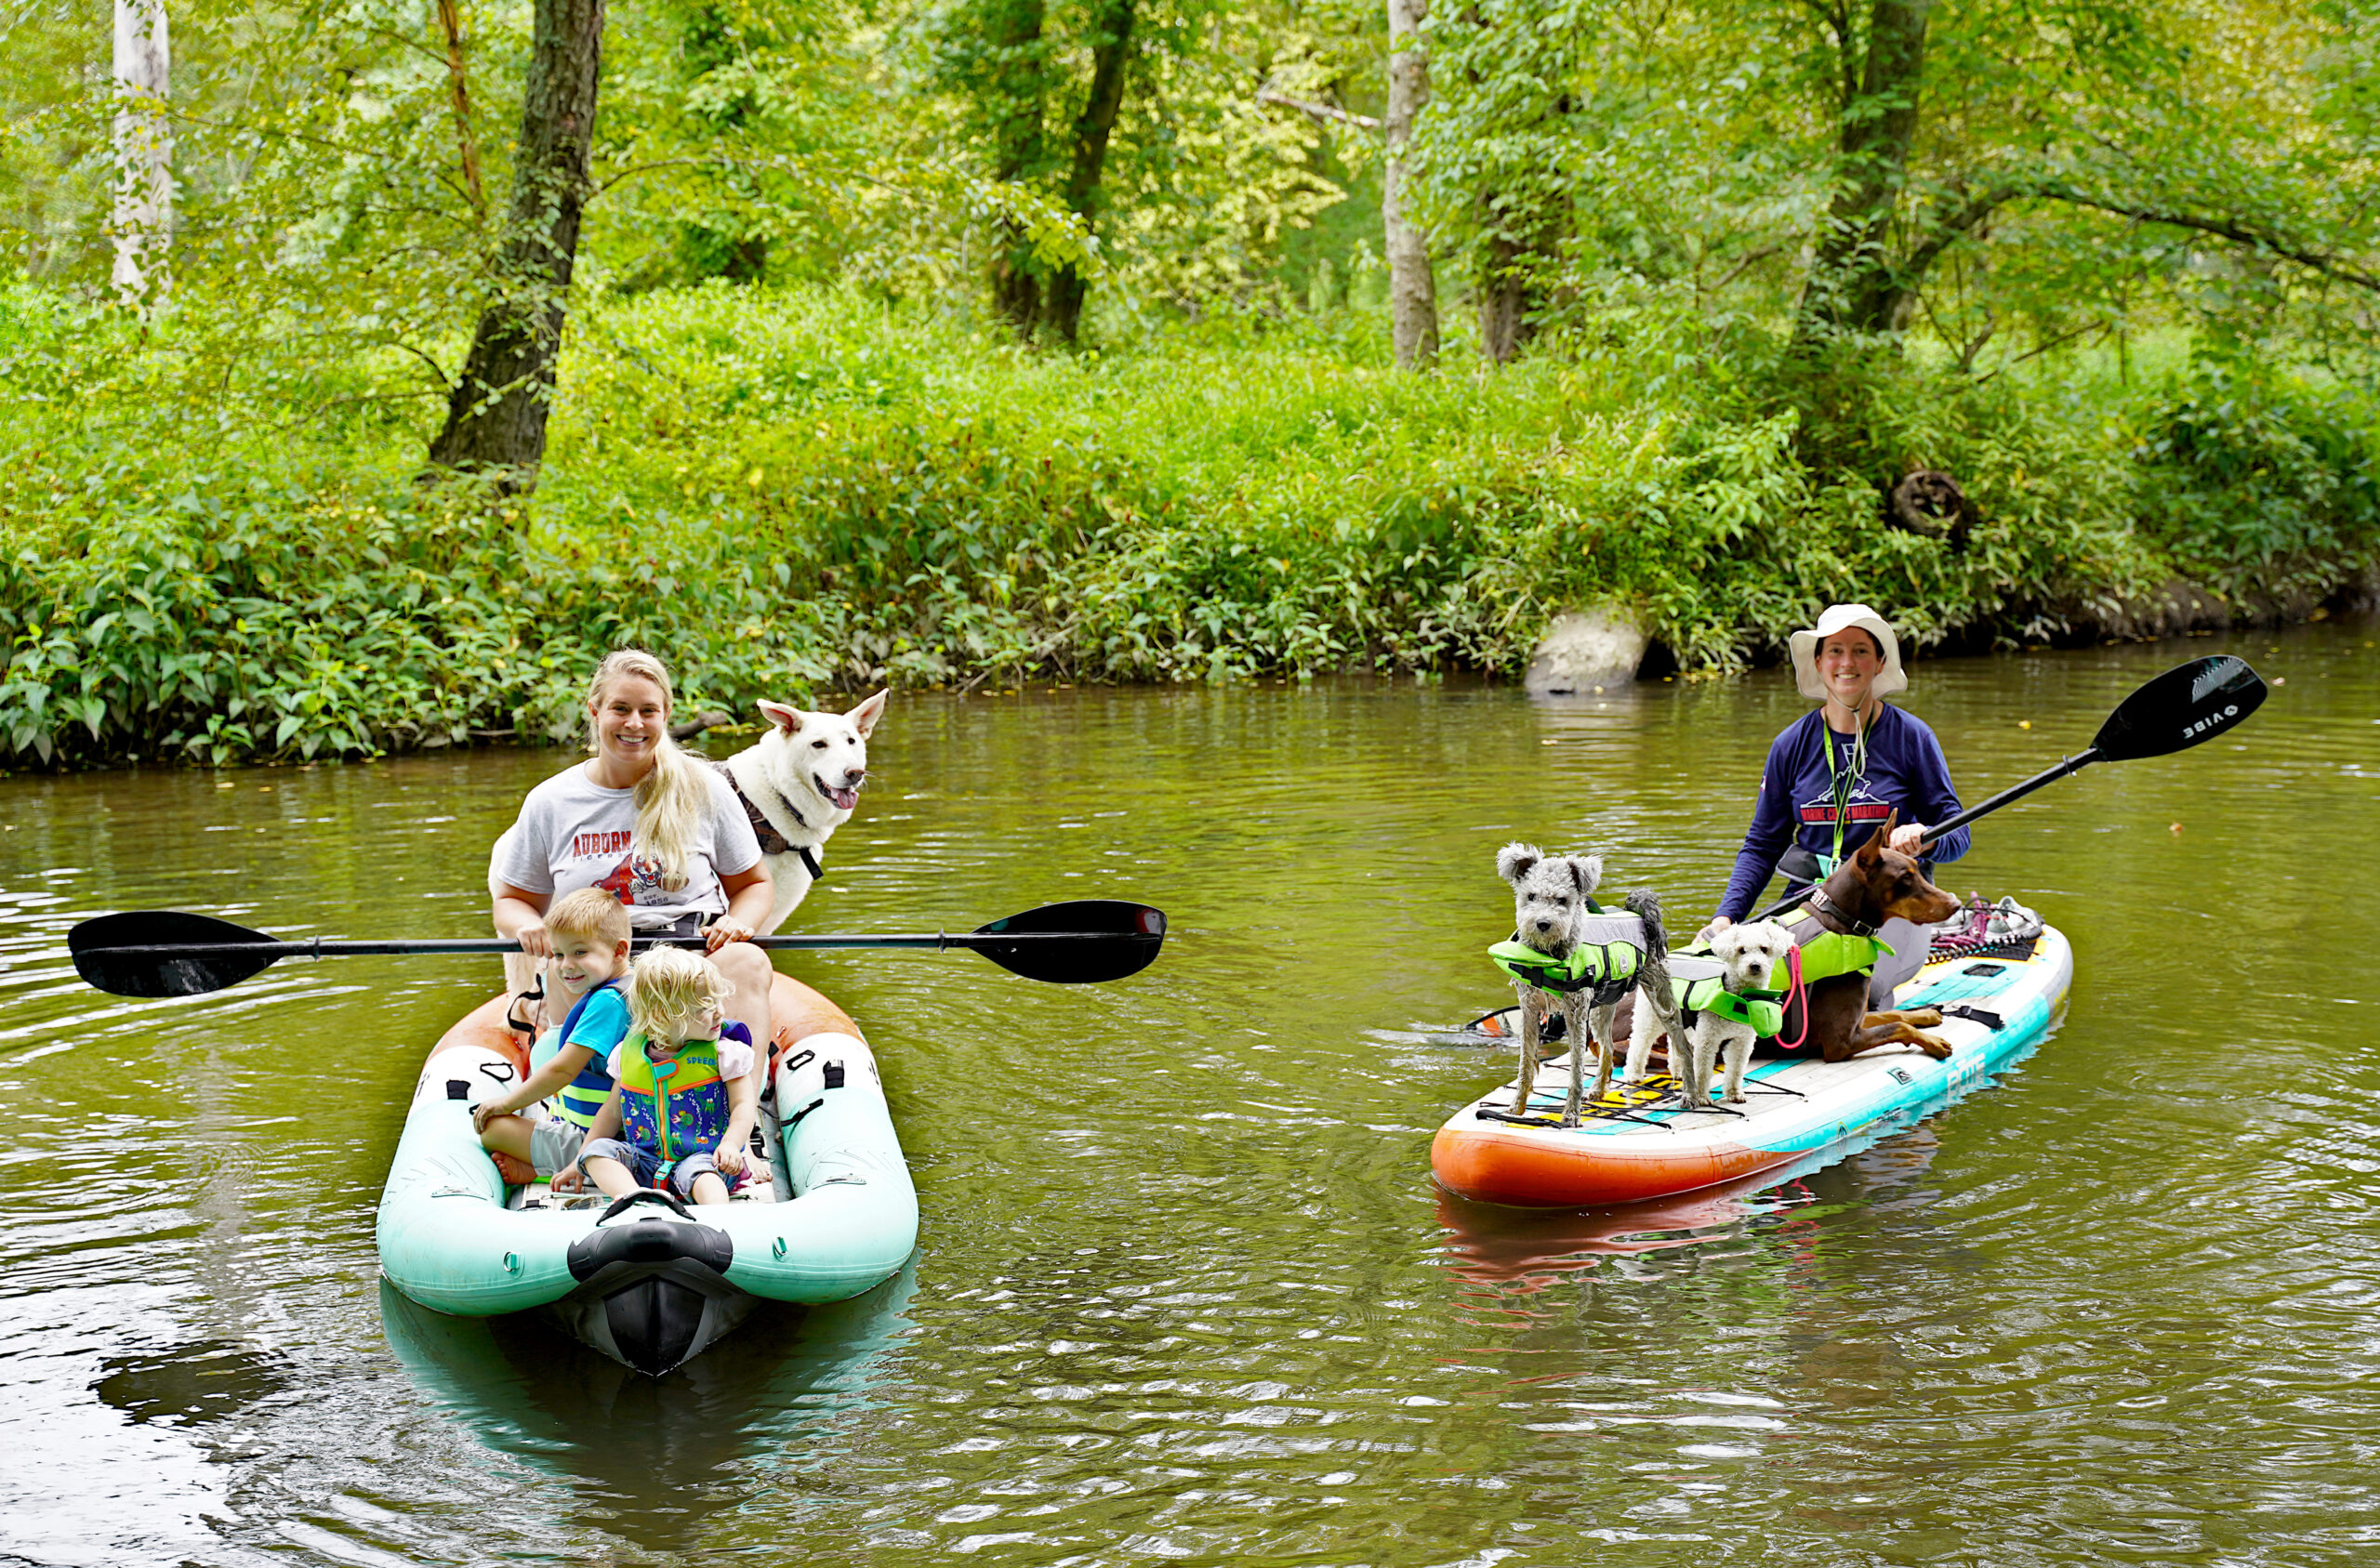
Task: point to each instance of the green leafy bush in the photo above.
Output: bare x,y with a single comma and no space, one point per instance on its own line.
791,492
2258,484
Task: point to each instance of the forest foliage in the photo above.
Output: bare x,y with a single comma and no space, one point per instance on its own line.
875,367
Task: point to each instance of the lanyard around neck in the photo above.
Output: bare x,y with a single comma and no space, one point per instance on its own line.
1844,780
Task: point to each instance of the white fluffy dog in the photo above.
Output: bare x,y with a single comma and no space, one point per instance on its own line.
798,784
1753,954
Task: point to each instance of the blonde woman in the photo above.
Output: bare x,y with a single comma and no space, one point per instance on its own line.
649,824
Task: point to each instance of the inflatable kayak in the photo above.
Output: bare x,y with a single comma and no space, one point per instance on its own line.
1641,1142
645,1279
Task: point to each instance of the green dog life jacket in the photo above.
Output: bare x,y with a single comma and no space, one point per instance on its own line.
1839,953
1697,981
1610,950
1699,985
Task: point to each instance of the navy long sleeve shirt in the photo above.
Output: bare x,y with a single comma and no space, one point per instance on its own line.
1906,769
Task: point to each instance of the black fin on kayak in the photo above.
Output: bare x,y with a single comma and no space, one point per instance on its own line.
654,1322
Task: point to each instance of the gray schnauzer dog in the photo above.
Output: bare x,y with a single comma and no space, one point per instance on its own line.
1549,909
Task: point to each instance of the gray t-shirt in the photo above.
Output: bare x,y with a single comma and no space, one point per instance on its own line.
573,833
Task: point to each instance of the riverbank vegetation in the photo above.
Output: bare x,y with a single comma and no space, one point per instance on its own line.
867,365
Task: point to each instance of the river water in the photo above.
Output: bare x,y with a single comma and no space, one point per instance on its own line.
1185,1291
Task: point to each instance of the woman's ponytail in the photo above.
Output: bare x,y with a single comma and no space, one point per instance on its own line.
673,799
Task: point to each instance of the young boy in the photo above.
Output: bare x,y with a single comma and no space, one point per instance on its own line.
683,1093
590,932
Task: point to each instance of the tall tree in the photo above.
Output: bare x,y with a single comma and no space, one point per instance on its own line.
1017,90
1855,283
1111,50
1412,288
496,412
1491,166
144,150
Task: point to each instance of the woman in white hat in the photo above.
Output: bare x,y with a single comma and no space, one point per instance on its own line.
1849,764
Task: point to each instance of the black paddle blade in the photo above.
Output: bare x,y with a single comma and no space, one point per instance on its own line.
1105,939
2188,704
109,952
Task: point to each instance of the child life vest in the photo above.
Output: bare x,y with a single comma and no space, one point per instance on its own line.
675,1108
579,1099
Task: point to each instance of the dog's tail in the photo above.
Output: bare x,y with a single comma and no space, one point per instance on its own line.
1648,908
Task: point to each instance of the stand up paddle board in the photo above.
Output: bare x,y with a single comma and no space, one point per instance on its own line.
1642,1143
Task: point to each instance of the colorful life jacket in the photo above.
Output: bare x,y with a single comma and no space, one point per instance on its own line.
1609,951
675,1108
583,1096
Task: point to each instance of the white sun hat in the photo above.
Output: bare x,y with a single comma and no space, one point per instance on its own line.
1842,617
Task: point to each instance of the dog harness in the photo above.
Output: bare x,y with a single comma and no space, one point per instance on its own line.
772,841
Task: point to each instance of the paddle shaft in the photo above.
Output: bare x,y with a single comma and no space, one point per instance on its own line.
1980,808
2074,764
319,948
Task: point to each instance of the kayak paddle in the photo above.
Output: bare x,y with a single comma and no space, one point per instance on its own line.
2186,704
172,953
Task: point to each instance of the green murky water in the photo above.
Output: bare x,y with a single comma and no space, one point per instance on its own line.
1186,1292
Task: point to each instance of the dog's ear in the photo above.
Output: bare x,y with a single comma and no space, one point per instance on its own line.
863,717
1516,861
1877,840
784,718
1587,870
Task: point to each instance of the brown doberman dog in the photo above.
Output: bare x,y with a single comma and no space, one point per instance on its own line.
1875,885
1869,888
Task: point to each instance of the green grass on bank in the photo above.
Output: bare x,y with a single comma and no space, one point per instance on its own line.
803,491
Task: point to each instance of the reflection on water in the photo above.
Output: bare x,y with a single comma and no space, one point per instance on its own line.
650,1449
1185,1291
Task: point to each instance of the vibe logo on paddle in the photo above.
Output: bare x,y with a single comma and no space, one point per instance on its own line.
2230,710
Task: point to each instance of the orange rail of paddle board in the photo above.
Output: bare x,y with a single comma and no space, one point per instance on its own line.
1562,1171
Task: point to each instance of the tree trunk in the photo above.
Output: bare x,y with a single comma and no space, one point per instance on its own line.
1020,87
1412,289
495,418
1084,193
144,151
1510,293
1854,284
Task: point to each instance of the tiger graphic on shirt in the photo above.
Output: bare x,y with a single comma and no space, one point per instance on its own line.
638,880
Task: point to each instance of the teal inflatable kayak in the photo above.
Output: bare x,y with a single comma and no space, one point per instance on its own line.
645,1279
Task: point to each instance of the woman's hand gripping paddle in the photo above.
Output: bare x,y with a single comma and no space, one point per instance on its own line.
2186,704
171,953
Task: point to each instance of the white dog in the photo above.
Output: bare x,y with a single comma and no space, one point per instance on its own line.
800,783
1753,955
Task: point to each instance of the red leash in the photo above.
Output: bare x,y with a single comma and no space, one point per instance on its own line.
1794,988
